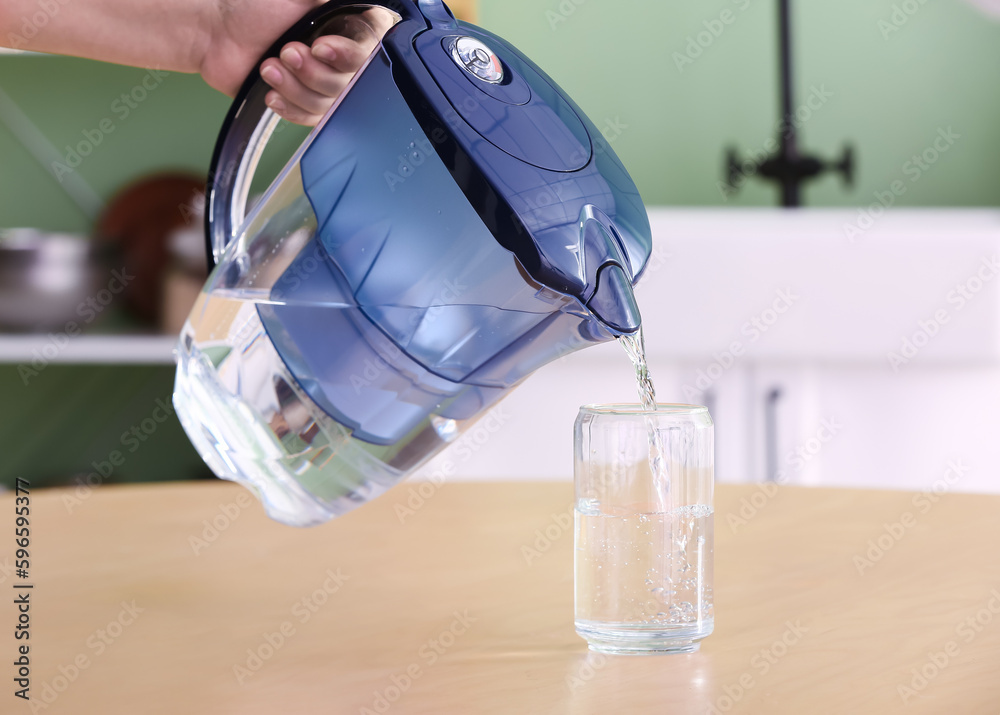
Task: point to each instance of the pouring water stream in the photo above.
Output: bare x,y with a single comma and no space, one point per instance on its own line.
635,347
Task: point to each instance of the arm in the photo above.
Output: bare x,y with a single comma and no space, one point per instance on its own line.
220,39
169,35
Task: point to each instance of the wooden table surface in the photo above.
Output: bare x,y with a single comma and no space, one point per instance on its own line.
460,601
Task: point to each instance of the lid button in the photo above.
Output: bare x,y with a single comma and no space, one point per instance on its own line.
477,59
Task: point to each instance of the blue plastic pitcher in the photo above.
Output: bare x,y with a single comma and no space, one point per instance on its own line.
453,223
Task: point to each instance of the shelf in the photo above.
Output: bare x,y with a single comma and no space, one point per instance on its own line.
88,349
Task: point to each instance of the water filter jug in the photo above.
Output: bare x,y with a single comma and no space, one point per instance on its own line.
453,223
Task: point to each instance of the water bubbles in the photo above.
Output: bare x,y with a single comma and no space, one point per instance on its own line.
682,612
588,507
656,562
663,595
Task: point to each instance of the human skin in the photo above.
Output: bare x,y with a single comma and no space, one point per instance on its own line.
220,39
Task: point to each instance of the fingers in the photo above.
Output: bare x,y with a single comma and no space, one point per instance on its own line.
379,20
343,54
293,114
319,76
306,81
295,94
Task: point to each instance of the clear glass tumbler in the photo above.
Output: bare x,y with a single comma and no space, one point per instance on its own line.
644,527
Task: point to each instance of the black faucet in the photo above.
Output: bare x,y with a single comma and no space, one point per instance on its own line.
787,167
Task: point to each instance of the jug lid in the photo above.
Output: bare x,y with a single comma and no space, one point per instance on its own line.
535,167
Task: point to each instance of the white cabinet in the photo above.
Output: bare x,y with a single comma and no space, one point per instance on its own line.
906,429
784,327
859,426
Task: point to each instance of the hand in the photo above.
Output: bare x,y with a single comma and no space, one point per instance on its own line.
305,80
221,39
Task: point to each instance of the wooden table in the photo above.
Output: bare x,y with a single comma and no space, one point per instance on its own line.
460,601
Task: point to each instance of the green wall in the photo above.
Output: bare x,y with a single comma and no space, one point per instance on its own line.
891,92
172,128
617,58
68,417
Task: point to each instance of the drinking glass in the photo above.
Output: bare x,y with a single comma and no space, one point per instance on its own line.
643,527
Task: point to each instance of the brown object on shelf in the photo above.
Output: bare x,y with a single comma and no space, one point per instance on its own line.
458,598
187,272
180,292
138,222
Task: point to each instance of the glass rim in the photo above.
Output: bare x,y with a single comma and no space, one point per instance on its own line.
634,408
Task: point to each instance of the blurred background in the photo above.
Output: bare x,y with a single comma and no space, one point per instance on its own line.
852,341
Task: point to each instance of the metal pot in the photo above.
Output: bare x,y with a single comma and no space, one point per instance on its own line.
45,279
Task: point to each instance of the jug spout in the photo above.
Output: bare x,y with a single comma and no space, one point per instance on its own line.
613,302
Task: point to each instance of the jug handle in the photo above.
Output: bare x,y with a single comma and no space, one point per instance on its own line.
249,123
